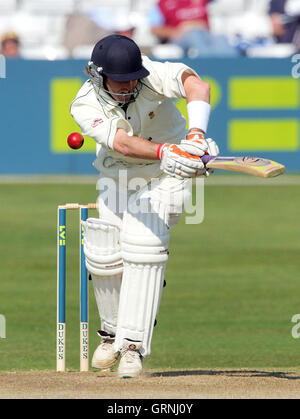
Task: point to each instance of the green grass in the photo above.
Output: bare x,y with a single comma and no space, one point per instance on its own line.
232,281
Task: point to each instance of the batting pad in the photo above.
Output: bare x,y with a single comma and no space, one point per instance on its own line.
102,247
145,236
140,297
107,292
104,262
144,243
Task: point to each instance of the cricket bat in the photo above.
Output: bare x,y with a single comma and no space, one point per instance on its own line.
251,165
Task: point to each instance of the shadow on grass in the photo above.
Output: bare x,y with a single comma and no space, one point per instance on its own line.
288,375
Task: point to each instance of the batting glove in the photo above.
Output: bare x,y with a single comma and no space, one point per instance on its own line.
196,144
176,162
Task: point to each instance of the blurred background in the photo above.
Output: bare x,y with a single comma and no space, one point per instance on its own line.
247,50
55,29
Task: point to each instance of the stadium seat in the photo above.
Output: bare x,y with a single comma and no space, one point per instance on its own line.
142,34
239,17
250,26
8,6
46,52
31,29
82,52
167,52
113,15
49,6
37,29
272,51
86,5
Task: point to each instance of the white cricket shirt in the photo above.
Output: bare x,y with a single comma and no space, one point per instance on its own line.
152,116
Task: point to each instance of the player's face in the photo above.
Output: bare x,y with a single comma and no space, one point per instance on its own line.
121,91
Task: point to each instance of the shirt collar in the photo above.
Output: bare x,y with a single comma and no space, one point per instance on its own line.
107,101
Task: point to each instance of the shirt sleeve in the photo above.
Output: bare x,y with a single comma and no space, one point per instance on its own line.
95,122
165,77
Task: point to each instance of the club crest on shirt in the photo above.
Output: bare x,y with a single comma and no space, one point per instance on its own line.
97,122
151,115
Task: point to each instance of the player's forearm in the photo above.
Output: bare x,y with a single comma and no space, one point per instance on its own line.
132,146
195,88
198,102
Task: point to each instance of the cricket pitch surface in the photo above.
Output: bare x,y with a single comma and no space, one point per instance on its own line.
174,384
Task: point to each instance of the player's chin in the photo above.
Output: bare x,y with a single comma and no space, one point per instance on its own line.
122,99
127,98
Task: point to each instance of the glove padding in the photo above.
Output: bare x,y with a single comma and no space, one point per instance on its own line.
197,145
176,162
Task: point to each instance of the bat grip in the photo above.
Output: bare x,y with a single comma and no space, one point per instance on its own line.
206,158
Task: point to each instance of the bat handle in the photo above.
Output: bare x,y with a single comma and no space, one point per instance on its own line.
206,158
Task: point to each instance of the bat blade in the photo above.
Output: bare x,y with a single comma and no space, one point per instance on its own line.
251,165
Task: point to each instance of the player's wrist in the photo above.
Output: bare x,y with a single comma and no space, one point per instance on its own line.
198,114
159,151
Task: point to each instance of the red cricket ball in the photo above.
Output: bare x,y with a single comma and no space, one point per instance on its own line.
75,140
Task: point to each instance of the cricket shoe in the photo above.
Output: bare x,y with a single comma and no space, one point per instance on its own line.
131,360
105,356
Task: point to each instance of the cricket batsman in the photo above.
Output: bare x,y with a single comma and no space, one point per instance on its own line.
127,107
